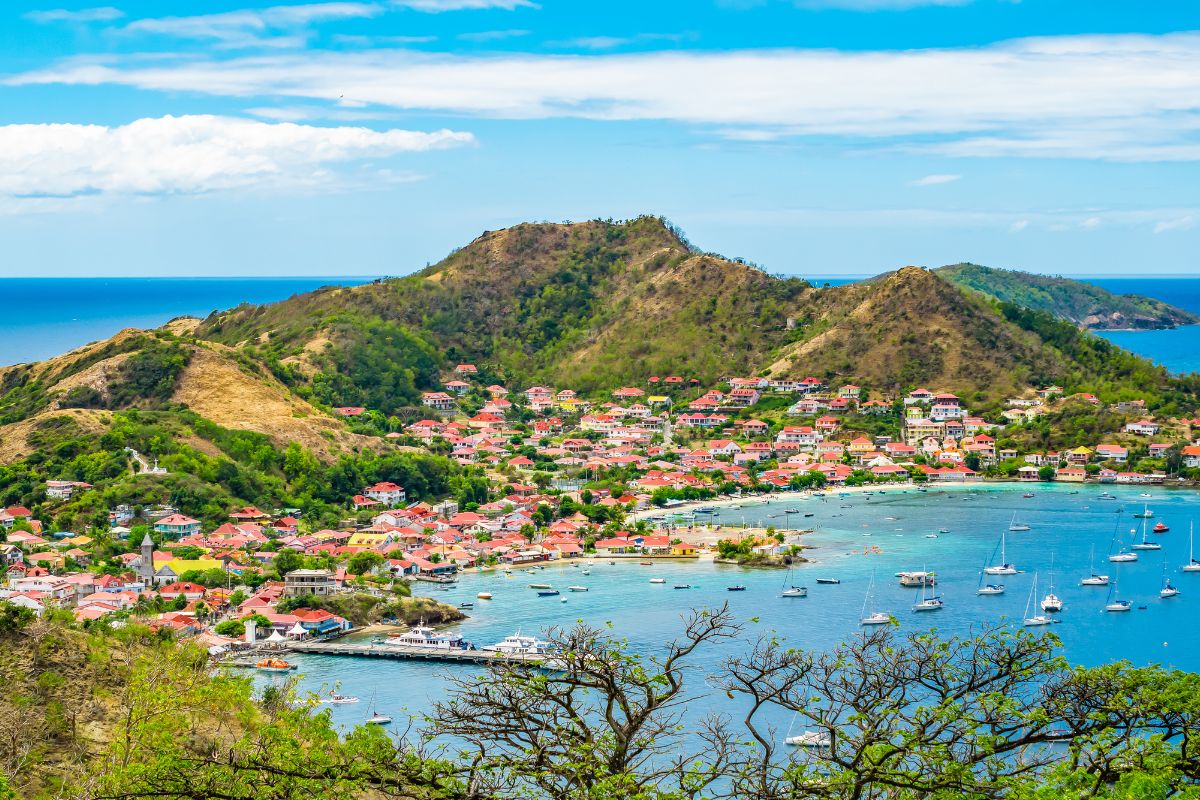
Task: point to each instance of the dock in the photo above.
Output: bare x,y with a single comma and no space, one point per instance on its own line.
409,653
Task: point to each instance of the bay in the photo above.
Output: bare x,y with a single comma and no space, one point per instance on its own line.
1066,524
49,316
1177,349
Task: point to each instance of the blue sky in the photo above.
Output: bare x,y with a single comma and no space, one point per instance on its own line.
815,137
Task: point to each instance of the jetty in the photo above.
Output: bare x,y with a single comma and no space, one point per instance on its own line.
367,650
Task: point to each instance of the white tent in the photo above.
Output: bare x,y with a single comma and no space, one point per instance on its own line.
275,637
298,630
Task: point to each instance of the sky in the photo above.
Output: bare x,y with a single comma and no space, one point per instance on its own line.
813,137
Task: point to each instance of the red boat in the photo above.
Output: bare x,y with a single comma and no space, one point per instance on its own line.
1161,527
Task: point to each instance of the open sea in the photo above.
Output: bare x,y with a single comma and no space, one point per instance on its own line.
1067,525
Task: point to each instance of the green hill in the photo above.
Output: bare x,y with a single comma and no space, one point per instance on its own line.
1080,302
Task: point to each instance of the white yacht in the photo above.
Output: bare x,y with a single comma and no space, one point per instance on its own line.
1113,604
1193,564
928,602
1144,544
1051,603
815,740
1003,568
1094,578
1121,555
1017,526
519,644
795,591
874,617
427,638
1039,619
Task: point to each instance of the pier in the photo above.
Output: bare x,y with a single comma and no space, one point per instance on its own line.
410,653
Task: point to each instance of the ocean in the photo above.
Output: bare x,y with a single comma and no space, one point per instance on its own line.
858,538
1177,349
49,316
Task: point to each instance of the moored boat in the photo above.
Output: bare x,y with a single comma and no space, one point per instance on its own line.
274,665
426,638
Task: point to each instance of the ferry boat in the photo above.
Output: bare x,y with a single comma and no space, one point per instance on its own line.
427,638
519,644
274,665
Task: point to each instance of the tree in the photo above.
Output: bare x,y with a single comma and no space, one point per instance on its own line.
1046,473
288,561
604,723
363,562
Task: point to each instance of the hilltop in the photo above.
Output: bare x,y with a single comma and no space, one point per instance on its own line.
1080,302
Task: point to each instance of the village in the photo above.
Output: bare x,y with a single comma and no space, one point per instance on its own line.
567,478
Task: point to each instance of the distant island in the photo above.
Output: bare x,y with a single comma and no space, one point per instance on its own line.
1077,301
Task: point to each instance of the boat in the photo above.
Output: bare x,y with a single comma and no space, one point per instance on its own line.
1027,495
1017,526
1168,589
1040,619
1114,605
791,591
484,596
928,602
829,580
735,588
1051,603
519,644
917,578
548,593
539,586
1160,527
1121,555
658,580
274,665
1144,544
874,617
931,536
1145,513
577,588
1192,564
376,718
339,699
467,604
682,586
813,740
1003,568
989,588
427,638
1094,578
646,563
586,572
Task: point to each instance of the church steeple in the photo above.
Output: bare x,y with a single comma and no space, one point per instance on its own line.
146,563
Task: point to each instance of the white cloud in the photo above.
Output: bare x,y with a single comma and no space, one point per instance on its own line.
492,36
1018,225
252,26
1091,222
188,155
83,15
1122,97
439,6
1178,224
934,180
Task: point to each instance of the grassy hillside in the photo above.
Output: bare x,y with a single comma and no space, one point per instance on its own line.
1077,301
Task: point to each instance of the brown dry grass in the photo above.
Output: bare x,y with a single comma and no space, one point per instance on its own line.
14,438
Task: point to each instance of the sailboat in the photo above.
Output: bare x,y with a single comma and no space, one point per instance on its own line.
1145,544
1017,526
1003,568
1146,513
1122,555
875,617
988,588
1113,604
928,602
1094,579
1040,619
791,590
1192,565
1167,590
1051,603
376,718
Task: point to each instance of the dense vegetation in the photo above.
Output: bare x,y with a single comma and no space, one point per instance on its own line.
1078,302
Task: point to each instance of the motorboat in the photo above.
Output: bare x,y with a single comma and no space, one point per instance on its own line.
658,580
682,586
829,580
577,588
467,604
1160,527
548,592
484,596
539,586
519,644
426,638
335,699
738,588
812,740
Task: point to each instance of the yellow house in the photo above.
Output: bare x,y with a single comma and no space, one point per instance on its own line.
657,400
364,539
683,549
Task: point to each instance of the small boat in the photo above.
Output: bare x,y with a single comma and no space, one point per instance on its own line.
1168,590
1017,526
586,572
577,588
990,589
1192,565
682,586
339,699
931,536
1003,568
1094,578
928,602
735,588
378,719
658,580
1114,605
791,591
1145,513
812,740
1145,544
829,580
539,586
646,563
1121,555
274,665
467,604
484,595
1027,495
874,617
548,592
943,530
1160,527
1040,619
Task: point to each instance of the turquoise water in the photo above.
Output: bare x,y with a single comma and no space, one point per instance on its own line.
1065,528
1179,349
48,316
